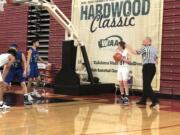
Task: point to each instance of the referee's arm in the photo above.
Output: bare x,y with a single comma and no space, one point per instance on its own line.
135,51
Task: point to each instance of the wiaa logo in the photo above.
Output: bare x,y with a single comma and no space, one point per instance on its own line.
110,41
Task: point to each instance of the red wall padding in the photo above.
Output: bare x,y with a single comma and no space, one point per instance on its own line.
13,27
170,66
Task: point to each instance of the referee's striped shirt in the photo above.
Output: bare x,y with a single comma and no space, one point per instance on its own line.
149,54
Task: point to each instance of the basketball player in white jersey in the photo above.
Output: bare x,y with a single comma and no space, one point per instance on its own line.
5,59
123,72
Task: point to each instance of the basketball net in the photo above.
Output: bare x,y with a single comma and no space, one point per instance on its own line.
2,2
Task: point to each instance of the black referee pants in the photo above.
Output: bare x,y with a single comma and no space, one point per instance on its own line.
149,71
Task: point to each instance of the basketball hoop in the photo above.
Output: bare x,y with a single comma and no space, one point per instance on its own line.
2,3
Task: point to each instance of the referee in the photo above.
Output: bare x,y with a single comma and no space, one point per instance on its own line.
149,59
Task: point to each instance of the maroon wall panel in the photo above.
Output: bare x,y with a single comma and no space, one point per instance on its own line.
170,66
13,27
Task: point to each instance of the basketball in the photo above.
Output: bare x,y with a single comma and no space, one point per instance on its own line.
117,56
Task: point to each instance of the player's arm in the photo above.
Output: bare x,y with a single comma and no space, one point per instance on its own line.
137,52
8,65
10,62
41,60
24,63
4,69
29,53
128,60
132,50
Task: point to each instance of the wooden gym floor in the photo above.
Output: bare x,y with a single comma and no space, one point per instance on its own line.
91,115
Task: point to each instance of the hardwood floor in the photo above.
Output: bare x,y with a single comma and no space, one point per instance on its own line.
91,115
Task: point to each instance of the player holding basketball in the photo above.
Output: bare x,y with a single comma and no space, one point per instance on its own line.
123,72
5,59
18,70
32,66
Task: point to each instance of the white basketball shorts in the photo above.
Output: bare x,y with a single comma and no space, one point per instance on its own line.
123,73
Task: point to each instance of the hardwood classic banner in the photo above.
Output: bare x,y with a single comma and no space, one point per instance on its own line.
101,24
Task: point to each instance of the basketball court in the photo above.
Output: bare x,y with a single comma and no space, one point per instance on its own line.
91,115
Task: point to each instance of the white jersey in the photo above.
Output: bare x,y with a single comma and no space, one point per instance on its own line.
125,56
123,68
4,58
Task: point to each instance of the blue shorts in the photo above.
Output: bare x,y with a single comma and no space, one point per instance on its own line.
15,74
34,72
